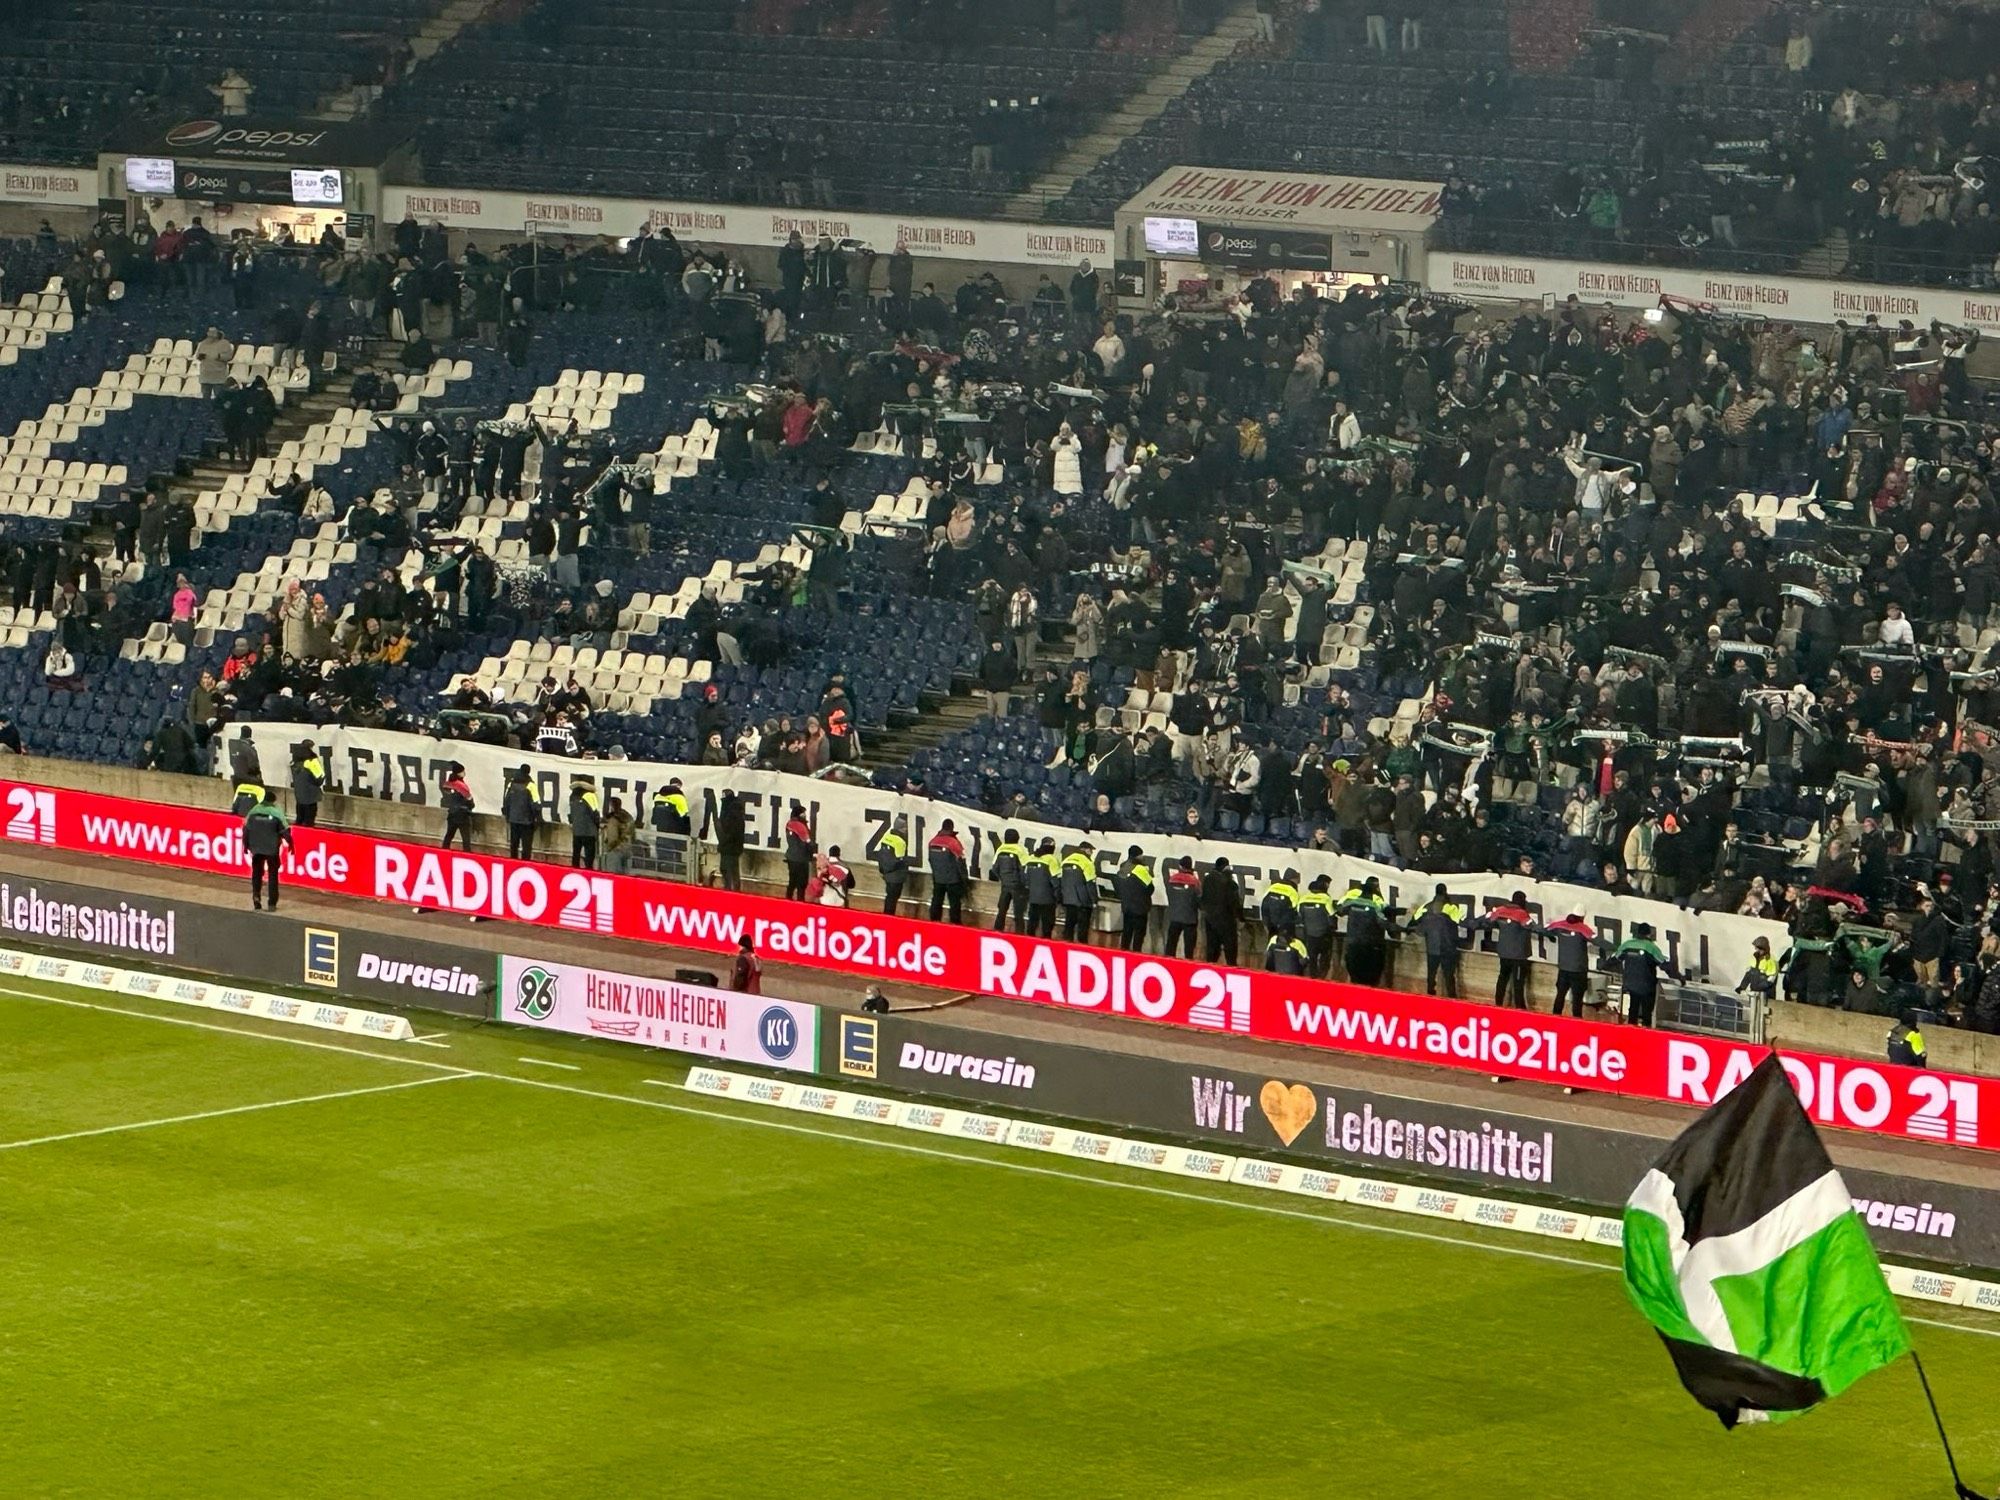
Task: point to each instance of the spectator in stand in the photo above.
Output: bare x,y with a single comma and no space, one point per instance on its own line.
212,358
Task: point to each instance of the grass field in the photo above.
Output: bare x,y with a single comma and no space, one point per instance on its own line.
237,1265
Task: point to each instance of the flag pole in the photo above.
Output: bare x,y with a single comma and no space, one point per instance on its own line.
1957,1484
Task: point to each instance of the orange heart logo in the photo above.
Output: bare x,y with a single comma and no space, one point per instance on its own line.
1289,1108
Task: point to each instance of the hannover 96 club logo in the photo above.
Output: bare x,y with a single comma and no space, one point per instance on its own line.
535,993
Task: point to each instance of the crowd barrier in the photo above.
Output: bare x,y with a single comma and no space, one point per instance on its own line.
1843,1092
409,770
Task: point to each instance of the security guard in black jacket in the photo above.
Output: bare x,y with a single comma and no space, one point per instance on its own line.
1438,923
1367,931
892,860
1280,906
670,809
249,794
1285,955
1134,885
1079,891
1007,869
1183,908
1041,876
1640,962
1221,908
1316,925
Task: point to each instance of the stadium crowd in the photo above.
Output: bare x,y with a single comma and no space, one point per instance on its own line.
1693,608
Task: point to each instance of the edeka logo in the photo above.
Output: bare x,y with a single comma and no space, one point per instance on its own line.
194,132
777,1033
536,993
860,1045
322,964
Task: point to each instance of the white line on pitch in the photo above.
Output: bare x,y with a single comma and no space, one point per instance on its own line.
1151,1189
244,1031
435,1039
660,1083
909,1147
543,1062
234,1109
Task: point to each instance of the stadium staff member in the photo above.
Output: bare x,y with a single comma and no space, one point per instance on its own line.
1640,962
1438,922
1079,891
1573,938
747,976
1316,925
1511,925
1183,907
308,782
1134,884
893,862
248,797
799,852
265,832
731,827
1042,875
457,808
1221,911
1906,1045
1008,868
670,810
947,862
586,817
1280,906
1366,948
1285,954
521,809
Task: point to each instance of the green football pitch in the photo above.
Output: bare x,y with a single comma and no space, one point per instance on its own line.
238,1262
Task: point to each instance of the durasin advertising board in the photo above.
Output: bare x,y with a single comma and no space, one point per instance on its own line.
1279,1115
257,948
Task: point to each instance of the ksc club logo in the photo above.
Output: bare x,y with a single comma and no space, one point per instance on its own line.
778,1033
194,132
535,993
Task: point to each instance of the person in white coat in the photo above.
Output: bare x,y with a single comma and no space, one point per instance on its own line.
1068,451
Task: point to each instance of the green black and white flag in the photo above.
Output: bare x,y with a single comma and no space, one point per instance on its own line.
1743,1249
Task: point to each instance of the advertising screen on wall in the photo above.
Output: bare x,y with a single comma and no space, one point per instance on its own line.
150,174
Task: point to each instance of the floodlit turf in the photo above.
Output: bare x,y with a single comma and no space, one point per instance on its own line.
478,1287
